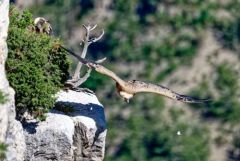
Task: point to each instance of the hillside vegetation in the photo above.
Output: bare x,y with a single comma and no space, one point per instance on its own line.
157,41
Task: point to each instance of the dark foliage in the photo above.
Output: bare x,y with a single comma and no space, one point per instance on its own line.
36,67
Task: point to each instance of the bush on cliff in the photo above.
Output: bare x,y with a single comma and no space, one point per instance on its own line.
36,67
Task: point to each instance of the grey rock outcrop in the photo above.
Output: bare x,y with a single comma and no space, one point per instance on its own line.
11,132
74,131
15,140
51,139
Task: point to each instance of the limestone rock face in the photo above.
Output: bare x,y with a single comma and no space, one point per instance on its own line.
51,139
74,131
11,132
15,141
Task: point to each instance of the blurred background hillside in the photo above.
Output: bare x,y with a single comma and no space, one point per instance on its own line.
190,46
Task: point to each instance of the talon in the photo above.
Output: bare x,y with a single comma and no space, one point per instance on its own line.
126,100
91,65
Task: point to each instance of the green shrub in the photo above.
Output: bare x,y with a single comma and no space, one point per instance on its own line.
148,137
227,106
236,139
234,150
3,148
227,79
36,66
2,98
228,32
228,29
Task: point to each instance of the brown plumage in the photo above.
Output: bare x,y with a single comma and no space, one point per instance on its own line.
128,89
42,25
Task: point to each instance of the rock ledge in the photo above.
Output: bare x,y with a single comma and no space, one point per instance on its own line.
75,131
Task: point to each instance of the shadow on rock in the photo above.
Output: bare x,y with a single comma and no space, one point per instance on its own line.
93,111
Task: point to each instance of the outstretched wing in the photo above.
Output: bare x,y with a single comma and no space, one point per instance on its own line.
140,86
135,86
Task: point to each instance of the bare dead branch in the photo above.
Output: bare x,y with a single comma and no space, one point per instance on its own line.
95,39
77,80
92,28
86,41
80,81
100,60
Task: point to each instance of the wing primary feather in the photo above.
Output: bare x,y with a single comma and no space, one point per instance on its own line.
140,86
189,99
159,89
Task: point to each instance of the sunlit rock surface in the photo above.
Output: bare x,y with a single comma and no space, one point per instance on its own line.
74,130
11,132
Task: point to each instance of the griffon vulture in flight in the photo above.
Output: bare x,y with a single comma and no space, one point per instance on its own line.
127,89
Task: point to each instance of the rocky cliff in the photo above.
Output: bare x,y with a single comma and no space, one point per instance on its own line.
74,130
11,132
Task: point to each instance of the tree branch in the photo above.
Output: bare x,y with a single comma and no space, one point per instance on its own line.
81,80
76,79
